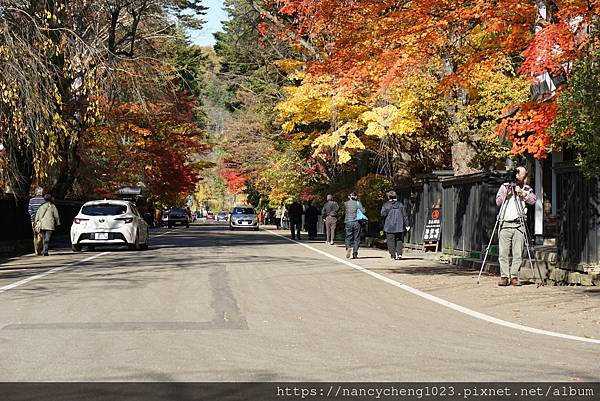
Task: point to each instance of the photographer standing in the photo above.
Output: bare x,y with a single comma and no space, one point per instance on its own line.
512,231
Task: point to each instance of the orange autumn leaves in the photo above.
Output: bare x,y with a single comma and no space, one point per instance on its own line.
369,45
154,143
528,128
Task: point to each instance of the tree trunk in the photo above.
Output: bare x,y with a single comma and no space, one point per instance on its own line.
20,176
462,151
67,171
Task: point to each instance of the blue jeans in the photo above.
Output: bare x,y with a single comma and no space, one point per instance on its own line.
353,234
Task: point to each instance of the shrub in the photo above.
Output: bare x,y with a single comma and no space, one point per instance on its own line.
371,191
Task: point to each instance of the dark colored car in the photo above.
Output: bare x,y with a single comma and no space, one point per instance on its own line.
178,215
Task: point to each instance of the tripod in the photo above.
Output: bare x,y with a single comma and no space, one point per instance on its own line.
522,225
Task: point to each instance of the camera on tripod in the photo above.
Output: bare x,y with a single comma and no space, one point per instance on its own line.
511,176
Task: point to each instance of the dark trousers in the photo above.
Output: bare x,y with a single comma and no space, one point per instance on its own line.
295,228
311,227
395,243
353,236
46,235
278,223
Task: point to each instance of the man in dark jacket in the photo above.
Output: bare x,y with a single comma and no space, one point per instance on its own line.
396,223
295,212
311,218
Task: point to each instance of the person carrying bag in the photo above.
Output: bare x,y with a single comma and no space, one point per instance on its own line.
46,221
352,221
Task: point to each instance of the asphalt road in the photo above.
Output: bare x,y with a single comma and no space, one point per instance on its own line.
207,304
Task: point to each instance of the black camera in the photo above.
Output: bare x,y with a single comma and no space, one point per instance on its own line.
511,176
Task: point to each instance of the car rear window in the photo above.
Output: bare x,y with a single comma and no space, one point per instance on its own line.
104,210
178,211
243,210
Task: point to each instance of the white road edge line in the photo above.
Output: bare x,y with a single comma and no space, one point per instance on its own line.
51,271
443,302
60,268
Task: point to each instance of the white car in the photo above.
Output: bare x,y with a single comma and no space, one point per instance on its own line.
109,222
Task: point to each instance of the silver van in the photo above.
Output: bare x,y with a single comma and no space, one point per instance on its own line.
243,217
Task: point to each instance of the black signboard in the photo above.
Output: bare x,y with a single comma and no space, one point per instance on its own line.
433,227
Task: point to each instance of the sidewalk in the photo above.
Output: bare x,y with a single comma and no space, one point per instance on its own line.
568,310
58,242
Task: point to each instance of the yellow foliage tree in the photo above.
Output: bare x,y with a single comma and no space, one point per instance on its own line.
317,114
489,92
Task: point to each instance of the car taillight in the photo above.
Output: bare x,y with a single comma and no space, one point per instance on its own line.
77,221
125,219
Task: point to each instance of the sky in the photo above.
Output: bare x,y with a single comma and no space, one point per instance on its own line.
213,17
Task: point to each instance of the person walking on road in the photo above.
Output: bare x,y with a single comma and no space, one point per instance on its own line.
295,213
353,228
46,221
396,224
511,234
32,208
285,220
329,213
260,216
311,218
279,216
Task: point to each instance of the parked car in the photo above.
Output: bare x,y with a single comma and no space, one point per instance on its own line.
210,215
222,215
178,215
243,217
109,222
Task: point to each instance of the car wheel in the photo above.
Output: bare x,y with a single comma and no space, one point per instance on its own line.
76,247
144,246
91,248
255,228
170,225
135,245
230,228
187,226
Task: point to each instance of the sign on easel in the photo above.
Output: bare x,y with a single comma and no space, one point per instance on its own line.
433,229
